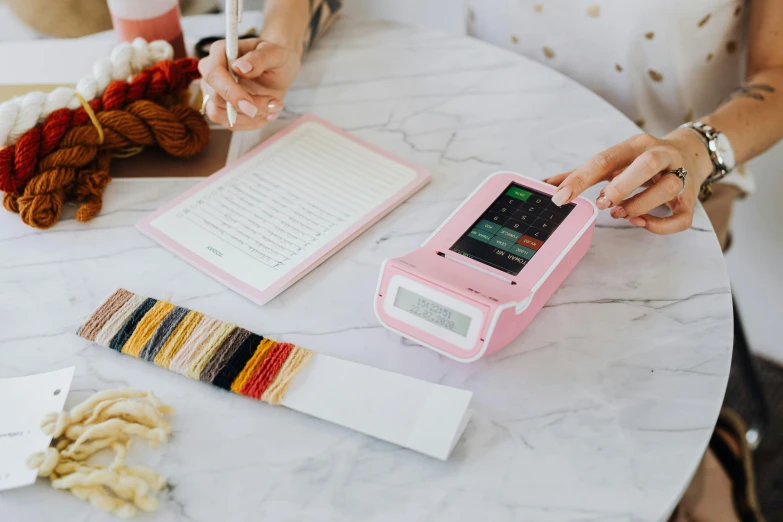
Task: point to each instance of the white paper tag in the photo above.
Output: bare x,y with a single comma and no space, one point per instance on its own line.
415,414
24,401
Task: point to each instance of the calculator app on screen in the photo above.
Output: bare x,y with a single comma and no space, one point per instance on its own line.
510,232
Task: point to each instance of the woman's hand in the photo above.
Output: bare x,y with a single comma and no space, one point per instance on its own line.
643,161
265,72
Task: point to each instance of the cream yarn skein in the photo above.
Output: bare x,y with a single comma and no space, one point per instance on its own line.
105,421
22,113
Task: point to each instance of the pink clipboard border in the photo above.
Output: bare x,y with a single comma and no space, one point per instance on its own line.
260,297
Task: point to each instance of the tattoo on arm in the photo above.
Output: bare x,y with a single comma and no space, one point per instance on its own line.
755,91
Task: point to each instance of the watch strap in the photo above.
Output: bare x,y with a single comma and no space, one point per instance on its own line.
709,135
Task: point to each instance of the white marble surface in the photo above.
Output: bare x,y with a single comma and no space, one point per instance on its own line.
601,410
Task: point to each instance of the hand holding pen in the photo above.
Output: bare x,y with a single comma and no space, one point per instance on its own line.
255,83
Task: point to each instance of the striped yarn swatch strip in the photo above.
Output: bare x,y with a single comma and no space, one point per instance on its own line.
194,345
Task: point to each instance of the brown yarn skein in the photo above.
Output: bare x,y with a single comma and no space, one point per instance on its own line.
88,189
79,169
10,202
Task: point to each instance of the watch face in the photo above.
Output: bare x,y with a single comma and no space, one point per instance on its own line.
725,151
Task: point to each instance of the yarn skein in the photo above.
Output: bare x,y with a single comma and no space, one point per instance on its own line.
179,130
190,349
264,348
113,324
177,339
208,350
223,354
298,358
128,329
105,421
145,329
18,162
22,113
263,375
162,333
109,308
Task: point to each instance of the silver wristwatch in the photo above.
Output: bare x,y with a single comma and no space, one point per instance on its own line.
721,154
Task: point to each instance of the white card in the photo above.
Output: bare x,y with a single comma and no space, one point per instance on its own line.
24,401
415,414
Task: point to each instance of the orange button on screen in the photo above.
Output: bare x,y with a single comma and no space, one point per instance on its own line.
530,242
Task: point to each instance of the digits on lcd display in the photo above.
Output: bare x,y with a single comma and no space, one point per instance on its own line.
432,312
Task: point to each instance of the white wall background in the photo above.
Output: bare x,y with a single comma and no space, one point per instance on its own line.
447,15
756,259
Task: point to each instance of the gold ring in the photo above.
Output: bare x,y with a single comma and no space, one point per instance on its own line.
204,103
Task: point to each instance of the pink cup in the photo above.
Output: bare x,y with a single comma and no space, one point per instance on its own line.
149,19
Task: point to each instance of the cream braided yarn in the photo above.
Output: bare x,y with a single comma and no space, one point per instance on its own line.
105,421
22,113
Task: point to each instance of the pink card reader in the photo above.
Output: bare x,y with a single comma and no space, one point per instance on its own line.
483,275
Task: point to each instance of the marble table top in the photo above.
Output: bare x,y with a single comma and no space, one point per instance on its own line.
601,410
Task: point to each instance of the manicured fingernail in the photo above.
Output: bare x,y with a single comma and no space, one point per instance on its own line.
618,213
638,221
243,66
603,202
275,106
248,108
273,116
561,196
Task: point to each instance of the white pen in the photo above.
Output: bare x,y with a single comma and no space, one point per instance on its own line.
233,17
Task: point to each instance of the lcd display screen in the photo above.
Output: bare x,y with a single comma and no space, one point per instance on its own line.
432,312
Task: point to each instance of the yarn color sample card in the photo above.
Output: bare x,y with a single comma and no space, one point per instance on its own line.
415,414
266,220
24,401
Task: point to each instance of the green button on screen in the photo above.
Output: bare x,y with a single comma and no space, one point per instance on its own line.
518,193
480,235
488,226
506,233
523,252
499,242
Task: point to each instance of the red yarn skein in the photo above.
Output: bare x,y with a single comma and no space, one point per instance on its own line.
18,162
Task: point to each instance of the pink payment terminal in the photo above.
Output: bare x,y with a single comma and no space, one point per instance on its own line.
482,276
